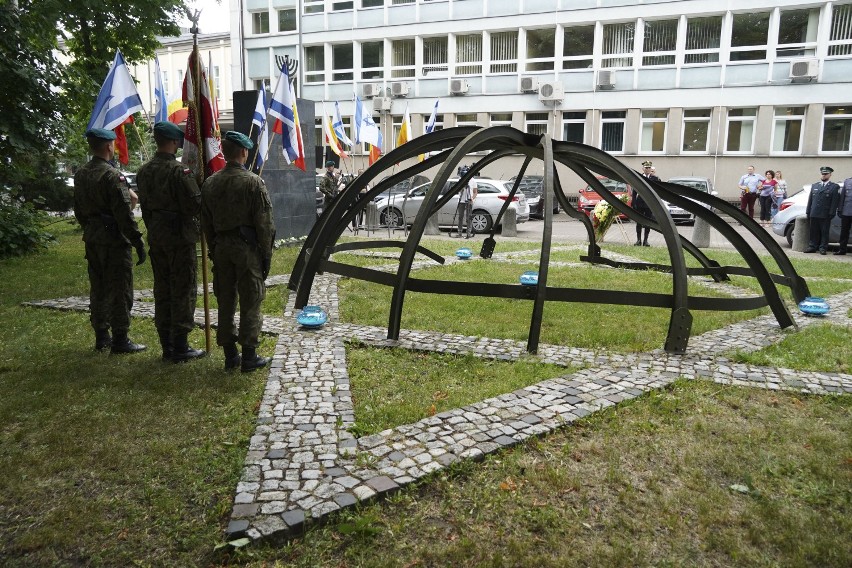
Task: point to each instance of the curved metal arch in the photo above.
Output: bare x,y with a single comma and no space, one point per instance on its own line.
454,144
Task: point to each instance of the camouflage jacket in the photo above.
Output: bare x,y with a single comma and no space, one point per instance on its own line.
102,205
170,201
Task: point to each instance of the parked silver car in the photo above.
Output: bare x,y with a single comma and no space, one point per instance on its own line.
794,206
702,184
492,193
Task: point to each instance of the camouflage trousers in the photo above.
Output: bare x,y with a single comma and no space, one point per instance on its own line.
238,277
110,286
175,288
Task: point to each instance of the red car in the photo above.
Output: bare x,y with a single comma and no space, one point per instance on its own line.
589,197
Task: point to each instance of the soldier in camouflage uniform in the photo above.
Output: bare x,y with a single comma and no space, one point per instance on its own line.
236,217
102,207
328,185
171,203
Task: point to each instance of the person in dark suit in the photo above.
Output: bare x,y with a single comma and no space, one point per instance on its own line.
822,205
844,209
641,207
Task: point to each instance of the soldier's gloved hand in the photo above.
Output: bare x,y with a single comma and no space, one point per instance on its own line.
266,264
140,251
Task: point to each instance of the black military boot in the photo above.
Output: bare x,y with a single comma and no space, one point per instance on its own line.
232,357
122,344
182,352
166,344
252,361
103,340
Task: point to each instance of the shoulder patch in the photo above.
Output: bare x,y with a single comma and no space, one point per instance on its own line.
187,171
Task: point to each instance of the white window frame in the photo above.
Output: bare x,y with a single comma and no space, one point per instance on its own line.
631,54
360,60
710,51
313,7
254,22
437,68
343,70
765,47
511,64
808,47
581,121
846,116
295,13
342,5
619,120
776,119
671,52
403,71
498,122
460,65
313,77
567,58
528,121
843,43
696,119
749,118
551,60
650,121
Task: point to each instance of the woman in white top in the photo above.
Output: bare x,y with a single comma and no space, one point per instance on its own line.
779,192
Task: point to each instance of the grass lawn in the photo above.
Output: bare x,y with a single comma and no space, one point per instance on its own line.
125,460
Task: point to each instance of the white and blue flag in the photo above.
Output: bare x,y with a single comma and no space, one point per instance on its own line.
117,99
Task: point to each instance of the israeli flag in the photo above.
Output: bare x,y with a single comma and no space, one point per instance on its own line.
117,99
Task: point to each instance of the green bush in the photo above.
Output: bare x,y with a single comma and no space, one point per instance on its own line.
21,226
48,192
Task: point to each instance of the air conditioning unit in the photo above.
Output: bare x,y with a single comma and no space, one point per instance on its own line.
804,69
399,89
550,92
382,104
372,90
529,84
606,79
458,87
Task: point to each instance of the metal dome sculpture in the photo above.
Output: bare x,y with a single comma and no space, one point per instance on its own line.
454,144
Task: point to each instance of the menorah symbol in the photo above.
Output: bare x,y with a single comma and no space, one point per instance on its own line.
292,65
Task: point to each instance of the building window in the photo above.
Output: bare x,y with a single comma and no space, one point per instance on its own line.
469,54
504,52
315,64
372,3
259,84
435,56
749,33
466,119
541,45
787,134
696,130
313,6
372,60
618,44
439,122
740,129
840,40
341,62
797,33
837,128
536,123
319,135
260,23
402,58
612,131
660,42
397,2
287,20
573,126
179,83
579,42
501,119
703,39
216,84
338,6
653,138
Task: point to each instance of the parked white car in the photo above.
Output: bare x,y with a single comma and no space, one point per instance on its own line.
491,194
794,206
698,184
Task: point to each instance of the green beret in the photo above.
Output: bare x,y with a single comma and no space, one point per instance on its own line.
101,133
825,170
168,130
329,164
239,138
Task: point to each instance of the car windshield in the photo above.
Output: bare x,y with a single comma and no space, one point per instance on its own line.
611,184
693,183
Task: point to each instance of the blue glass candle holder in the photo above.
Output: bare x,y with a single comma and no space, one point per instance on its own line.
813,306
529,278
312,317
464,253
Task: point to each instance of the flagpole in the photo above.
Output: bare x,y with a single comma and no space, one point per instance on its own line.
204,265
